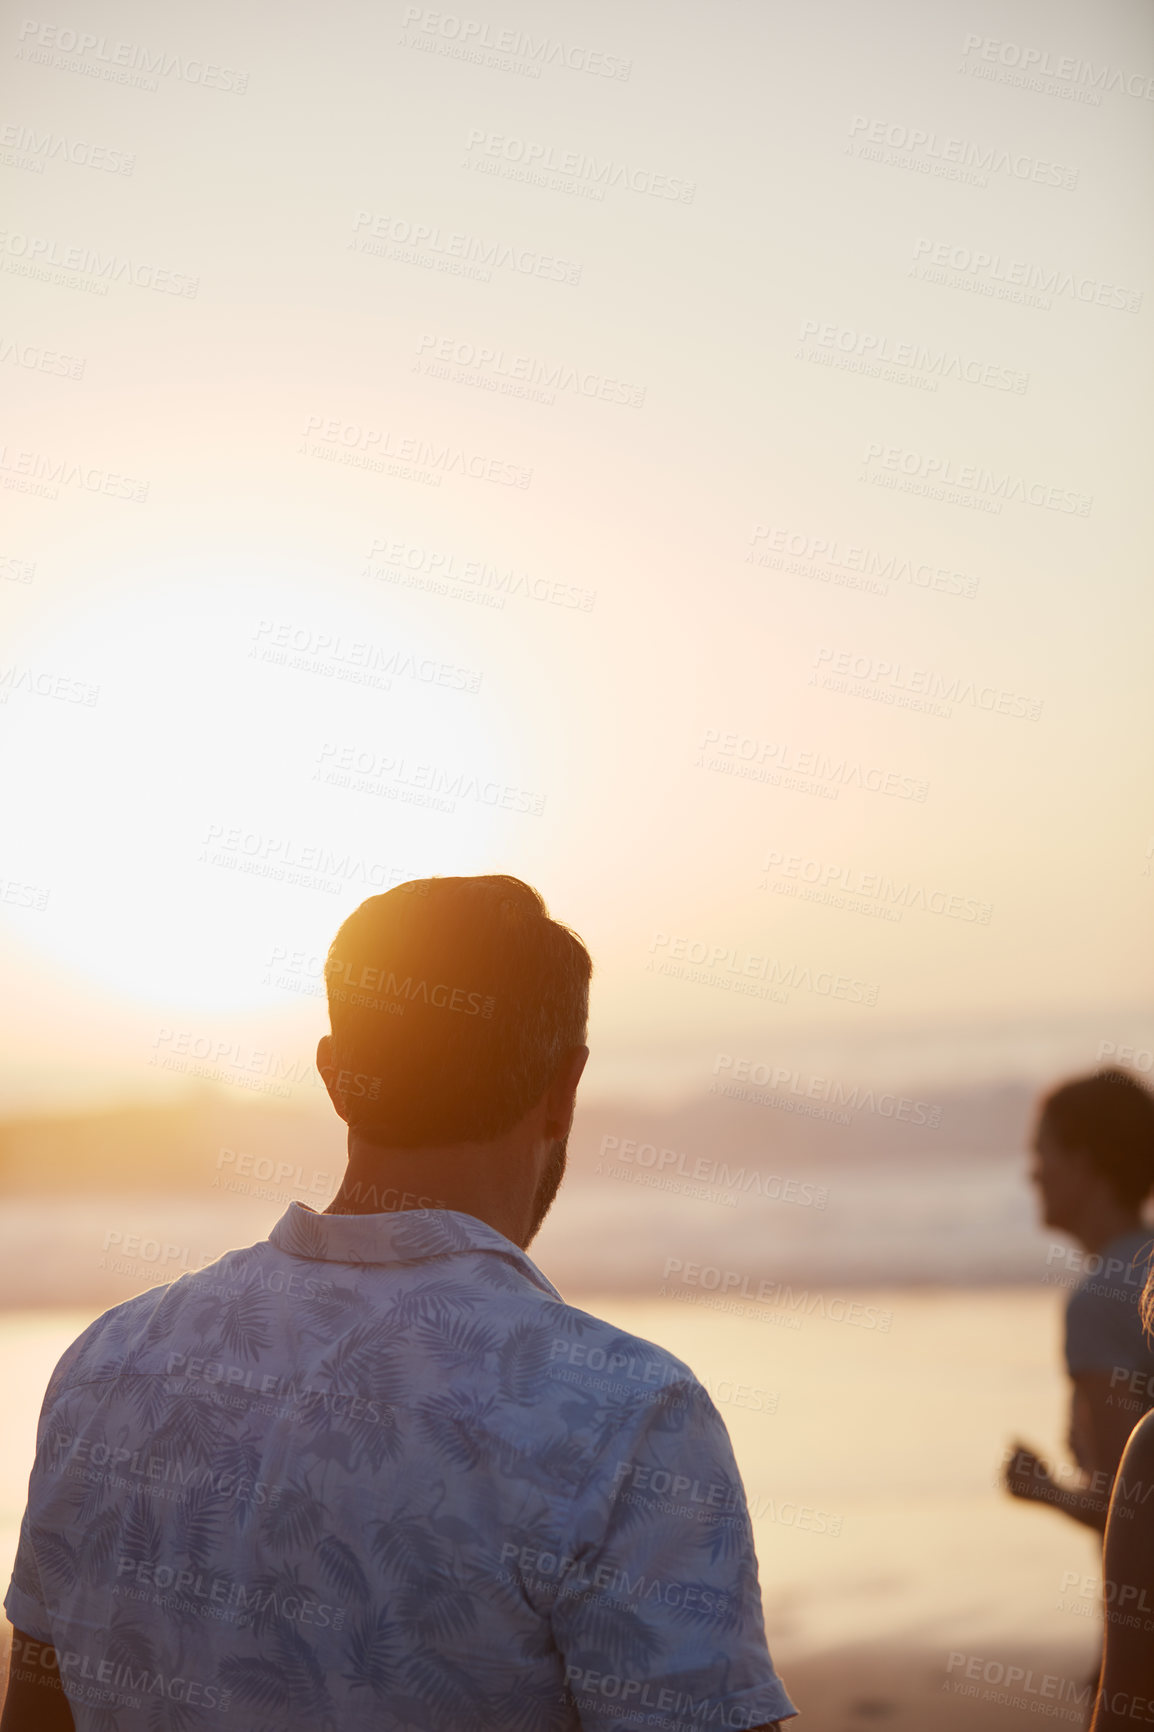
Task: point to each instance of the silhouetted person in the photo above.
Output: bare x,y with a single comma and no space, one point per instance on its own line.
1094,1166
374,1472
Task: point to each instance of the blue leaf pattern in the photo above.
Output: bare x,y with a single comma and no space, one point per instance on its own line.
374,1473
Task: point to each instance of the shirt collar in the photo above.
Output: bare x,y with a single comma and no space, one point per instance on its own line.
404,1237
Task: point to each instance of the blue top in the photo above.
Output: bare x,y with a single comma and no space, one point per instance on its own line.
1104,1329
373,1472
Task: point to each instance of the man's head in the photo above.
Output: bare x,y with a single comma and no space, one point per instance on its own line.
1093,1149
459,1012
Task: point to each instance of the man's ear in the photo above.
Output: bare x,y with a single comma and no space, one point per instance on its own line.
329,1073
560,1095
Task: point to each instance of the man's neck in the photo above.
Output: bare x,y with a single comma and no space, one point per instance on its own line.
385,1181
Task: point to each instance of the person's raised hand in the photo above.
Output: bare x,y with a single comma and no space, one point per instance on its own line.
1026,1474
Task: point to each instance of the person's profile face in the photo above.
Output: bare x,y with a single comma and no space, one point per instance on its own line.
1060,1175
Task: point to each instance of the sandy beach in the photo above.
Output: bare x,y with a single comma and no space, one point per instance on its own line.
896,1689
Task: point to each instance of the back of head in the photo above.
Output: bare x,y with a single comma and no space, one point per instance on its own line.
452,1001
1109,1116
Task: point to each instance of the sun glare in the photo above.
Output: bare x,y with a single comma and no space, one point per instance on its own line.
283,775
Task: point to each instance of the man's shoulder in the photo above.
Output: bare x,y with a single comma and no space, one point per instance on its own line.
1112,1290
101,1349
600,1357
1104,1327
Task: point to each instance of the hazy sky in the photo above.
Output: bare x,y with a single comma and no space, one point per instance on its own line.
695,458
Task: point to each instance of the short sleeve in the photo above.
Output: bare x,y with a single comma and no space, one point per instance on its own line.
658,1614
1104,1330
24,1604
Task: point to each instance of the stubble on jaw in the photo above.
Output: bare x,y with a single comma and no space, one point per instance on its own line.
547,1189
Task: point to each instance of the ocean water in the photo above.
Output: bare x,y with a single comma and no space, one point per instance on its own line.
832,1223
870,1442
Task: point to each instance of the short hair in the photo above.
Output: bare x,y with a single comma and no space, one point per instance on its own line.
1110,1116
453,1002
